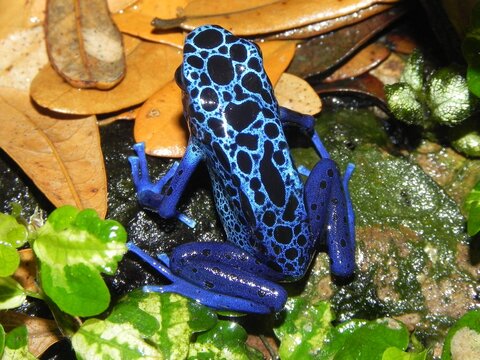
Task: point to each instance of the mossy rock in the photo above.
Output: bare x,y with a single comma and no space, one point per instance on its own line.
411,238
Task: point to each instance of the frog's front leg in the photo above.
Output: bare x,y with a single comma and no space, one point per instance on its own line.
164,195
307,124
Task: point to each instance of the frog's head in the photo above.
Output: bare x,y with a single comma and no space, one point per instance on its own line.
218,68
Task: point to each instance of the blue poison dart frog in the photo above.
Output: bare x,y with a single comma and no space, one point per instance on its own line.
274,222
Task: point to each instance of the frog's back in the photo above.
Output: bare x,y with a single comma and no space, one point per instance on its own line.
233,117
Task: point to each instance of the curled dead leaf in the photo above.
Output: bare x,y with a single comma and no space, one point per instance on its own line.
296,94
62,157
273,17
149,65
83,43
42,333
365,60
137,19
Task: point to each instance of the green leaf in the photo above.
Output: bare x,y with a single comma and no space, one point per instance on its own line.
225,341
11,231
9,259
472,207
393,353
158,325
448,97
12,236
168,320
2,340
360,339
304,328
102,339
466,137
404,104
473,80
471,49
413,73
473,222
444,98
17,338
16,345
463,338
405,98
74,247
12,294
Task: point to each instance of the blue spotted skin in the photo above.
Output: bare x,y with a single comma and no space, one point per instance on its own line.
270,217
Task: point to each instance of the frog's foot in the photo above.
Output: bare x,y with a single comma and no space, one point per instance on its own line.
150,194
203,291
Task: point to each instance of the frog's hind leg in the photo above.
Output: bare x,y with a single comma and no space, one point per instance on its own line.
331,214
225,269
163,196
195,292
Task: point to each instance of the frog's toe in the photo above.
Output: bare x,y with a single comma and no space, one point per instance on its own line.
163,257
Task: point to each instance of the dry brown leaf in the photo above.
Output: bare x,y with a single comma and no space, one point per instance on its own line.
138,24
126,115
365,60
150,66
160,123
366,87
137,21
42,333
27,271
62,157
35,10
401,43
277,55
278,16
32,12
13,17
83,43
322,27
23,54
118,5
208,7
390,70
294,93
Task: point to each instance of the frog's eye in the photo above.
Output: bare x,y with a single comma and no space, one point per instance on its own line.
179,78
